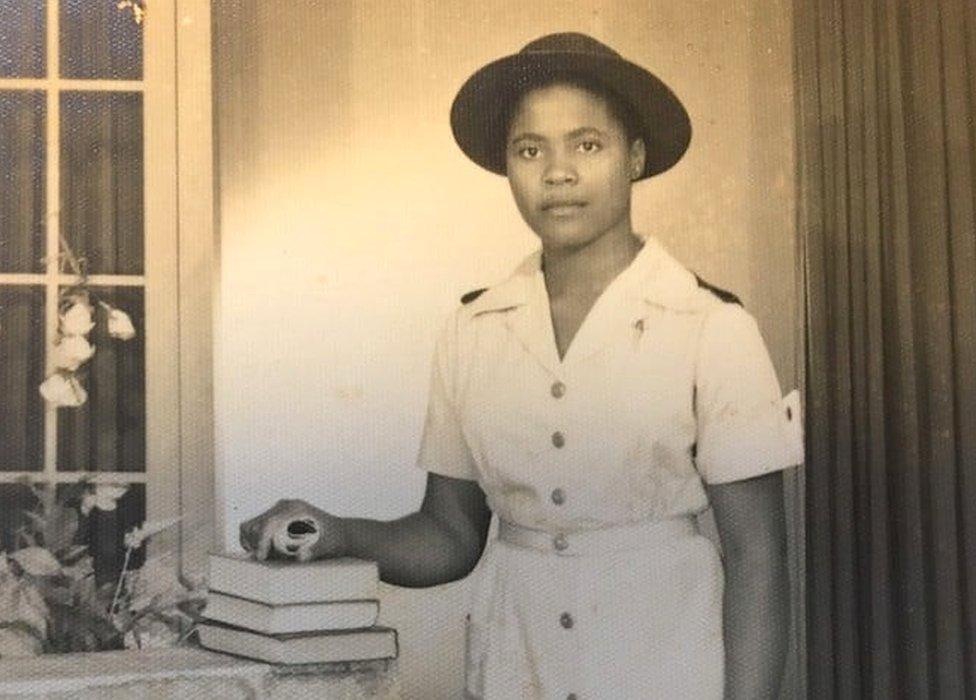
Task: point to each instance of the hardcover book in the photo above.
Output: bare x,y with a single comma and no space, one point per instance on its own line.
301,647
290,617
278,582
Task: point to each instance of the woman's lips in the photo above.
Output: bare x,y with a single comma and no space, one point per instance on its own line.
563,208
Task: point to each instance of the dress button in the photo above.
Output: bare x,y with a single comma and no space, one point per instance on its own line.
558,439
566,620
560,542
558,389
558,496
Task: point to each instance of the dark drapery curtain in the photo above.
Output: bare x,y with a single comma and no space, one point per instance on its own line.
886,104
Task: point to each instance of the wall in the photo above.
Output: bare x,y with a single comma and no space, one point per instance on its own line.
350,225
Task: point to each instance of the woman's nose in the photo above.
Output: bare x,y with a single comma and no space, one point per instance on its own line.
559,171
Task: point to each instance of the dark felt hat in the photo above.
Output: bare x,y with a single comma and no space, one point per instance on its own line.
481,109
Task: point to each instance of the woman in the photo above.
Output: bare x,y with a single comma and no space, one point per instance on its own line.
595,401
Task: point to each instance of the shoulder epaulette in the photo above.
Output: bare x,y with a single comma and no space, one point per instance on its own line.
726,296
472,295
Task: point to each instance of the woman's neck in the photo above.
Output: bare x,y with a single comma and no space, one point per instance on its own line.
587,270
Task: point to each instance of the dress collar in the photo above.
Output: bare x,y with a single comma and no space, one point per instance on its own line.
653,276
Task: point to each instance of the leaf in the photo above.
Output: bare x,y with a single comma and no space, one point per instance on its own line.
60,528
55,594
74,551
21,601
36,561
80,569
16,642
37,520
135,537
25,539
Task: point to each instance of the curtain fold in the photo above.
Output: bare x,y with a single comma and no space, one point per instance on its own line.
887,124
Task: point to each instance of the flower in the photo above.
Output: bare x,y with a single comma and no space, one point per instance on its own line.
71,351
138,8
77,320
119,324
103,498
137,535
63,390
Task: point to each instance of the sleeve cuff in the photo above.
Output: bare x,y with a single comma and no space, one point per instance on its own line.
744,446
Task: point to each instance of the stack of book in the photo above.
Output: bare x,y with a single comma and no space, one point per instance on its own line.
285,612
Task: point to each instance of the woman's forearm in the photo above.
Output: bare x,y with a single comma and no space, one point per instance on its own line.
414,551
756,612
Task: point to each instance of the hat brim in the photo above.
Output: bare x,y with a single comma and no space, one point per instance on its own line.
480,110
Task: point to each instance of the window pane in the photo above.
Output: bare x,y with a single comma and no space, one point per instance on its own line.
21,372
108,432
103,531
101,179
21,179
22,31
14,500
98,40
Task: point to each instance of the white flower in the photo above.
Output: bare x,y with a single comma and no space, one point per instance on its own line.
71,351
137,535
103,497
77,320
119,324
63,390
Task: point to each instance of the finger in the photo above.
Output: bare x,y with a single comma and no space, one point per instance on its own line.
264,539
305,553
246,534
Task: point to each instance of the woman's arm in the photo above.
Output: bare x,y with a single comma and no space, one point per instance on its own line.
441,542
751,523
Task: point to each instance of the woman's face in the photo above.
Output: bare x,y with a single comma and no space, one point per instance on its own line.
570,166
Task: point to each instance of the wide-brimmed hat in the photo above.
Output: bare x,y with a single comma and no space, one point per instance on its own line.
481,109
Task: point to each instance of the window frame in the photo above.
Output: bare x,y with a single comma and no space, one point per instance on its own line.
178,272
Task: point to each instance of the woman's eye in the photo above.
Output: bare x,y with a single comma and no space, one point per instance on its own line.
589,146
529,151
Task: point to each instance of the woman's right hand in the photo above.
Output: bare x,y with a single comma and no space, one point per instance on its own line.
257,534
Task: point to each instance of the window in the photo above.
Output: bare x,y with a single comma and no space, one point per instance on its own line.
96,127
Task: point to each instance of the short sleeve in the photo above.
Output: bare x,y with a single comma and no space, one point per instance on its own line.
443,448
745,427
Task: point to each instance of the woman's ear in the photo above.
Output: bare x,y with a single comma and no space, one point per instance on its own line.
638,156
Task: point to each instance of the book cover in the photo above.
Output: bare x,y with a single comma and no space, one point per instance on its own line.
288,581
303,647
290,617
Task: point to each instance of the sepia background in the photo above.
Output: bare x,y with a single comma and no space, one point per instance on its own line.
350,224
270,192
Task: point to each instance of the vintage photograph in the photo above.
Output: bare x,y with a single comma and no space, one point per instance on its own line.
489,351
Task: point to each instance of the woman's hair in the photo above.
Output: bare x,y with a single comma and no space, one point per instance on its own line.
620,108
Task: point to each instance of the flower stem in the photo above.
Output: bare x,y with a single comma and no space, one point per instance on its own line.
72,259
118,586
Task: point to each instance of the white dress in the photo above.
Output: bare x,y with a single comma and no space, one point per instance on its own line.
599,585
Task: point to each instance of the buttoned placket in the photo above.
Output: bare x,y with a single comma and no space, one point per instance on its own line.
559,404
619,310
